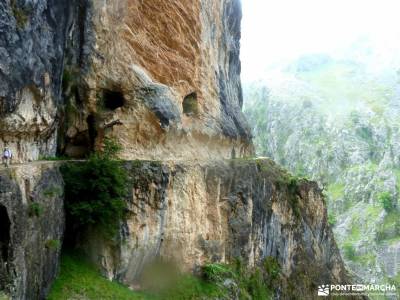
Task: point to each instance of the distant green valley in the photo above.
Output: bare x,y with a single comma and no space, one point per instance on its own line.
336,121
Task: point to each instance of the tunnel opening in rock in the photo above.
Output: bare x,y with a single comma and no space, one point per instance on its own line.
5,226
92,130
113,99
190,105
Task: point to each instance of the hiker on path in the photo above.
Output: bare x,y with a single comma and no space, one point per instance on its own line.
7,156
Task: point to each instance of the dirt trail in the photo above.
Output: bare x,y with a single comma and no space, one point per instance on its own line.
37,163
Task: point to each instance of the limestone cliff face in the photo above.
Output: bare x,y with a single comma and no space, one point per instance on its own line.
31,229
32,37
199,213
163,77
190,213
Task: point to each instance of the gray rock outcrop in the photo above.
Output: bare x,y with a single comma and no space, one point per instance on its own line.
32,228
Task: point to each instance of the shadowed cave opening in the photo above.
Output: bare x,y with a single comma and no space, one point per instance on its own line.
5,226
190,104
113,99
92,130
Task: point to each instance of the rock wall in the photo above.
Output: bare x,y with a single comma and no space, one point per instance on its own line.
31,63
191,213
215,212
31,229
162,77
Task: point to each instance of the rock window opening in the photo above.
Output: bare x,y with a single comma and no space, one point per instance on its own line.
113,99
190,105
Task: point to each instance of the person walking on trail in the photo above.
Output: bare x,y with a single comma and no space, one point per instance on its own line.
7,156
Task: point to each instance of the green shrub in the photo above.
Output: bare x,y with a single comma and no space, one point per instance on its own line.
52,191
293,188
111,149
292,184
332,219
35,209
385,198
95,191
254,283
272,270
216,272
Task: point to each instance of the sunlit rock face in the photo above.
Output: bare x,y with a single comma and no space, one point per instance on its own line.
196,213
163,77
31,62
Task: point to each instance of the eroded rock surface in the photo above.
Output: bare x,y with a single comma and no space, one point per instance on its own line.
162,77
199,213
31,229
32,39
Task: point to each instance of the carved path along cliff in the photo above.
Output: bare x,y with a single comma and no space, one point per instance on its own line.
163,79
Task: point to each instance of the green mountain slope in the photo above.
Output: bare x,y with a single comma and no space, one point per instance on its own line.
337,122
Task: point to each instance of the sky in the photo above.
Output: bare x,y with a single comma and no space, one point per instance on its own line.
276,30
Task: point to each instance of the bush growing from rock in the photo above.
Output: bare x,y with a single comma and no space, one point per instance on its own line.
95,190
385,198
